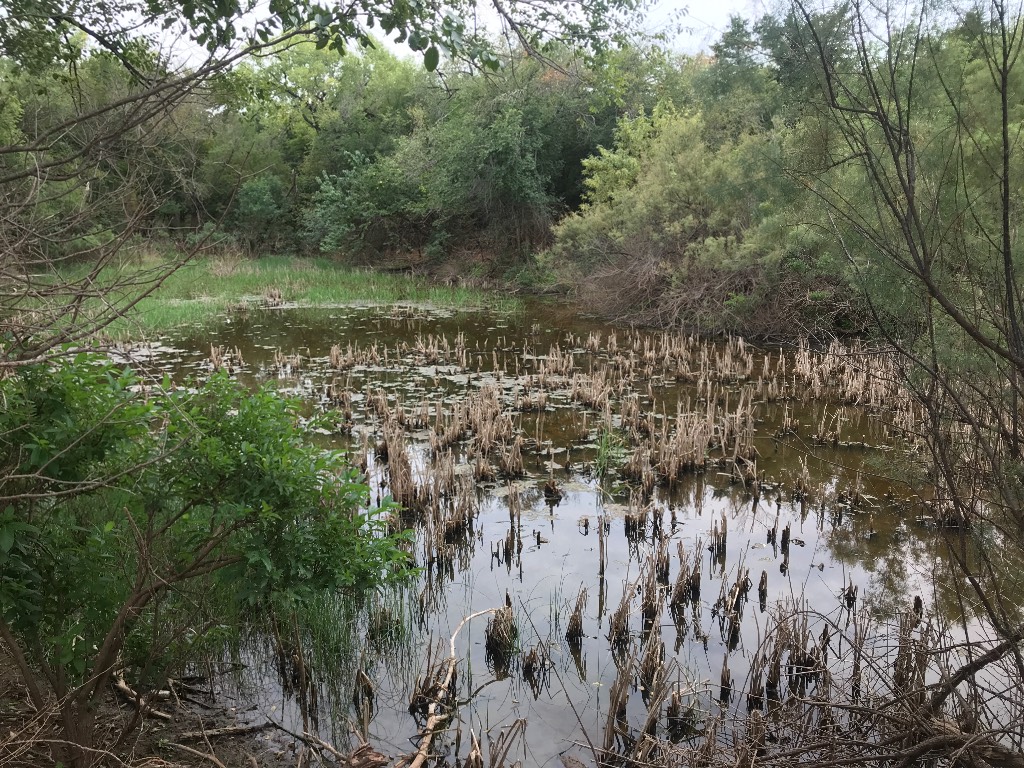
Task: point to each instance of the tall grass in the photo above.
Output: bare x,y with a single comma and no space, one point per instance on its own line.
211,287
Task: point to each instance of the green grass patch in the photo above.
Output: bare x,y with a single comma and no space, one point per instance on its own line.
207,289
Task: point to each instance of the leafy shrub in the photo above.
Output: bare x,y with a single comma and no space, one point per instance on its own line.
115,500
261,216
210,236
676,231
368,207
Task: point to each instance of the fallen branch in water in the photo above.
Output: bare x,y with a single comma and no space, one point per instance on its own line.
230,730
435,718
363,756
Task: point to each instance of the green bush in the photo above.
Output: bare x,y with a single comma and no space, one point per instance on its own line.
370,206
116,498
261,216
715,237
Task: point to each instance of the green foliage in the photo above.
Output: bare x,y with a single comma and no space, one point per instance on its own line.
10,109
737,93
369,206
371,104
39,33
491,163
260,215
694,216
611,452
486,175
116,500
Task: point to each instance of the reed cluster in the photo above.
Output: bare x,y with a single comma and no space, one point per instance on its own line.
656,411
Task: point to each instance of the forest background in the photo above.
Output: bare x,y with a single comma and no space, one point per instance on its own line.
674,176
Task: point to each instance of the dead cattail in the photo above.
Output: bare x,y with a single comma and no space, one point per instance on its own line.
650,601
725,691
618,626
755,694
695,580
501,634
681,590
574,632
651,669
483,471
510,460
552,493
616,726
216,358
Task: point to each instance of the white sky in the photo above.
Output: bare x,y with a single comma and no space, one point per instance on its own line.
704,20
702,23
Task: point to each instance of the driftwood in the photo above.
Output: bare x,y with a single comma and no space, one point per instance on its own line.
205,755
974,749
140,701
363,756
436,715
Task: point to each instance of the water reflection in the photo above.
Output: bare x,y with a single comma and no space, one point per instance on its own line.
659,500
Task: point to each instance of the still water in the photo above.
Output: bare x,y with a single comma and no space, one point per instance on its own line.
812,462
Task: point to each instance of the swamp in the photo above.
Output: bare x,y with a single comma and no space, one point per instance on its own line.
508,384
672,548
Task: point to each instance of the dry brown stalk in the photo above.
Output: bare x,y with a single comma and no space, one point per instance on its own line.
501,633
681,589
618,625
574,631
436,715
616,725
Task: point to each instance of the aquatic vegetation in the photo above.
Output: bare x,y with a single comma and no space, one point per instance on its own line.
574,632
204,291
685,470
501,636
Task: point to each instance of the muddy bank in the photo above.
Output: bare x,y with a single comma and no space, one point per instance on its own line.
194,721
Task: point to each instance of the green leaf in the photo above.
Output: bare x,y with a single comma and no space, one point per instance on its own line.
431,58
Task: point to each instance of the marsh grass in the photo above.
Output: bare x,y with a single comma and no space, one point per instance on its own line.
214,286
319,660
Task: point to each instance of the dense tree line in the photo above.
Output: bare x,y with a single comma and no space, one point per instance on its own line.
306,150
672,190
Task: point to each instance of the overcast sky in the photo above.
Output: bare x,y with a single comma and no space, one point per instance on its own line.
704,20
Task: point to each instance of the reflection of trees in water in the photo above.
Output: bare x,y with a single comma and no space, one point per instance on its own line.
898,558
988,559
908,559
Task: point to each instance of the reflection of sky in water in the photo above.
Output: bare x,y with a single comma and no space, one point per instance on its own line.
880,548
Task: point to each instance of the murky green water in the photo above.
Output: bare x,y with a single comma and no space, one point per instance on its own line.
852,526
